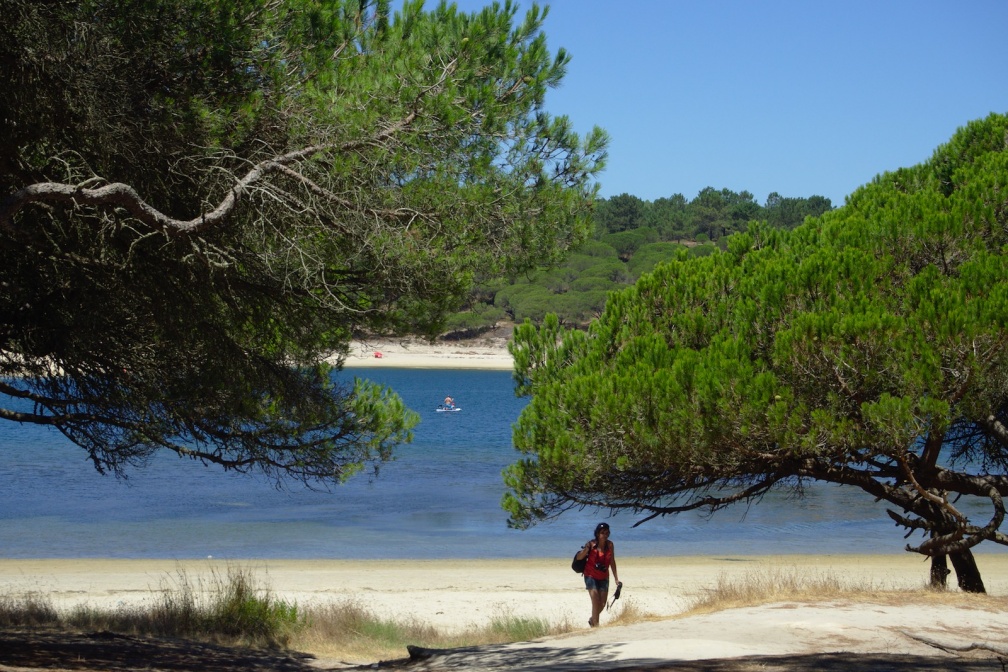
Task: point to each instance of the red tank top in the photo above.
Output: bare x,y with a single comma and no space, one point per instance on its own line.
597,556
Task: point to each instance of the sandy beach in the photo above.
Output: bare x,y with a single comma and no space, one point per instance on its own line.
455,594
487,354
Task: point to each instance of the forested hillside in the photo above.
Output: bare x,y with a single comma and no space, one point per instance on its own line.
631,236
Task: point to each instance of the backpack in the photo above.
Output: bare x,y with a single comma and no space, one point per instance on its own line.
579,565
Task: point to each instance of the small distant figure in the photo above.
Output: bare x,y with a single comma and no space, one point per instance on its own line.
377,355
448,406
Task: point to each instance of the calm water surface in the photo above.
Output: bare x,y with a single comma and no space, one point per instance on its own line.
439,499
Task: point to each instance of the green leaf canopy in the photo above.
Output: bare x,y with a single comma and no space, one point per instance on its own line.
202,201
866,348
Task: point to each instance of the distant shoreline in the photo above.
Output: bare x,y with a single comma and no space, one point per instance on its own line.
489,354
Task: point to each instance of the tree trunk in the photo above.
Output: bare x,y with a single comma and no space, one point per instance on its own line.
939,572
967,572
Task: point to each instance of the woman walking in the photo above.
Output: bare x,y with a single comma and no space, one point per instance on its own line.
601,555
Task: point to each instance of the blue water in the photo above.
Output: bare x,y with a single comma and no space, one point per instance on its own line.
439,499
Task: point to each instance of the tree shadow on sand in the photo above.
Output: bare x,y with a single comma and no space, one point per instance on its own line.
588,659
59,650
24,649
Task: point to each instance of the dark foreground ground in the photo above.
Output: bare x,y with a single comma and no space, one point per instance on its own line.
58,651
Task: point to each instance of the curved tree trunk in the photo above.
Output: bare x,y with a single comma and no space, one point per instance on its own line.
939,572
967,572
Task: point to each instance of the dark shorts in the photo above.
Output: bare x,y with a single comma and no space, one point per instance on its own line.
601,585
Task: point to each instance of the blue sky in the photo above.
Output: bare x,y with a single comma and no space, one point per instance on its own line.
802,98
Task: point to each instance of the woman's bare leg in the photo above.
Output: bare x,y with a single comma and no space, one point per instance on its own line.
598,599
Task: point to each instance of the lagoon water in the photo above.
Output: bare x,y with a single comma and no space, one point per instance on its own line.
439,499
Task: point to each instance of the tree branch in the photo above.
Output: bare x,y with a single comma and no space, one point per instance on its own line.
997,429
755,490
120,195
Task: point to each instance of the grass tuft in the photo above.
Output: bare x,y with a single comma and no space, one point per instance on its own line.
774,584
232,609
30,610
354,633
783,584
506,627
350,630
627,612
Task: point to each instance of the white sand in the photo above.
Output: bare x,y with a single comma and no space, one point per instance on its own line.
454,594
488,354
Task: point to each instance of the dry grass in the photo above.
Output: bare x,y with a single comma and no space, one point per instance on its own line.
626,611
784,584
31,610
353,633
236,609
233,608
